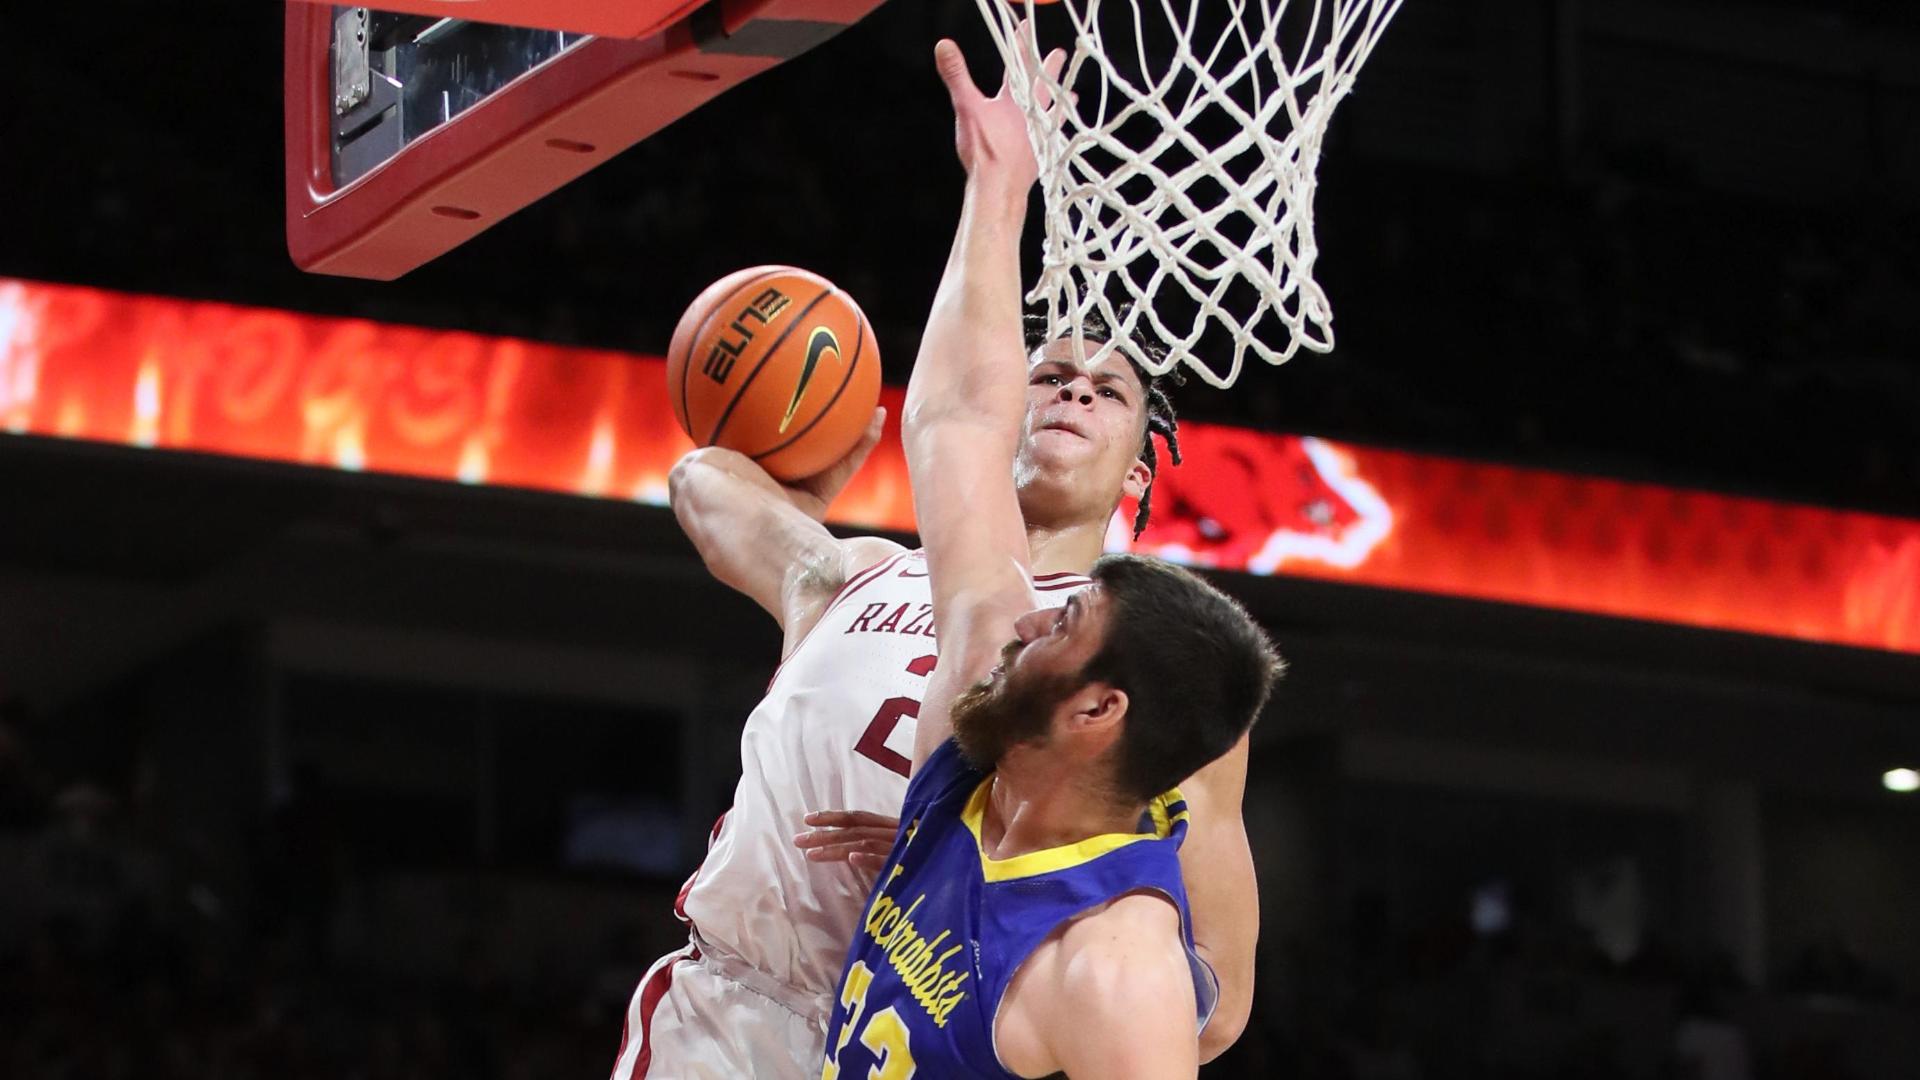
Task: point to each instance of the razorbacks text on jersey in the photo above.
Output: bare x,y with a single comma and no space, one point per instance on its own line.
835,731
947,927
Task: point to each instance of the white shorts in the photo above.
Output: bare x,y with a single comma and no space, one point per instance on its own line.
692,1018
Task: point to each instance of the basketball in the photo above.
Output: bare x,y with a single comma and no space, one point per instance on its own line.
778,364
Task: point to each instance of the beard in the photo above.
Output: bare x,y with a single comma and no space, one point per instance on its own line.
994,716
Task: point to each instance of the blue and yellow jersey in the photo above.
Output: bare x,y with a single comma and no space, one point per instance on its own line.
946,927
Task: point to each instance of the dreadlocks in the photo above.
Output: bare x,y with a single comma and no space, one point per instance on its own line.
1160,415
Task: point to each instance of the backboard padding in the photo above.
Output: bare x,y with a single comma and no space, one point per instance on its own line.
536,134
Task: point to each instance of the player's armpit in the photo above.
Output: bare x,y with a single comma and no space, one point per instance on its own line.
746,528
764,538
809,590
1216,862
1123,1005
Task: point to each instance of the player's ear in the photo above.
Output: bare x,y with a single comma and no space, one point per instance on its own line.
1098,707
1138,477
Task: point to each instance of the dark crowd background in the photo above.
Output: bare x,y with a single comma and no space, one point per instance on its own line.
336,776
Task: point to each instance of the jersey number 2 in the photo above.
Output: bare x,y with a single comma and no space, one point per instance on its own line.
885,1035
873,741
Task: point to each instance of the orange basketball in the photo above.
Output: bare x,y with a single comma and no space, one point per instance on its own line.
778,364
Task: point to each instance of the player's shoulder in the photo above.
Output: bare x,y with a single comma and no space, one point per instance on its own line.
1137,927
1129,945
864,554
1119,971
1126,958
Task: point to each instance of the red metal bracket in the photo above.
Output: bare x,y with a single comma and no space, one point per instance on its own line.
538,133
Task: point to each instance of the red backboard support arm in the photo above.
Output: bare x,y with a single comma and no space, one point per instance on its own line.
605,18
539,132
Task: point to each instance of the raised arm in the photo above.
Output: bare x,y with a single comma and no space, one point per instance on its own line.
764,538
966,401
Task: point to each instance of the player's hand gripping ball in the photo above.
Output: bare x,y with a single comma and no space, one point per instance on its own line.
778,364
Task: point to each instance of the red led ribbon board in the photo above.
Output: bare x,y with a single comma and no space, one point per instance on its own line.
350,394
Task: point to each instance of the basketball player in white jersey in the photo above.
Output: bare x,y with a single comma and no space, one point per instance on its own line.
751,993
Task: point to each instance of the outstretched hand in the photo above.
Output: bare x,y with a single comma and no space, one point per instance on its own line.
855,837
990,133
813,494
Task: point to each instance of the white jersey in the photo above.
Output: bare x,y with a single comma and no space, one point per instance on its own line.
835,732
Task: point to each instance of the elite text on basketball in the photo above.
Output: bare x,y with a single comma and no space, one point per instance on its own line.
760,309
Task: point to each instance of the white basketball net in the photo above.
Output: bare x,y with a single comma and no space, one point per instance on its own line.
1179,188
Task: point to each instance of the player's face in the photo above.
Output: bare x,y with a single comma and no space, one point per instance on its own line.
1058,641
1039,670
1084,424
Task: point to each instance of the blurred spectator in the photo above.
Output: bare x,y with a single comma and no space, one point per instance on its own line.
1706,1044
301,861
1831,968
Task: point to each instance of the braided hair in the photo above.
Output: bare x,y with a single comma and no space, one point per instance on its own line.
1160,415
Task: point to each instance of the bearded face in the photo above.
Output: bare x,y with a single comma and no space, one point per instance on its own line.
1012,707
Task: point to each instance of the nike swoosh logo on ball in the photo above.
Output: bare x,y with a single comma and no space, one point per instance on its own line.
819,342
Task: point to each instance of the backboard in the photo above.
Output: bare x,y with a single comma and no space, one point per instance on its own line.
410,132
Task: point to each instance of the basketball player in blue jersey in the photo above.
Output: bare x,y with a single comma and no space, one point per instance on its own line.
1031,917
